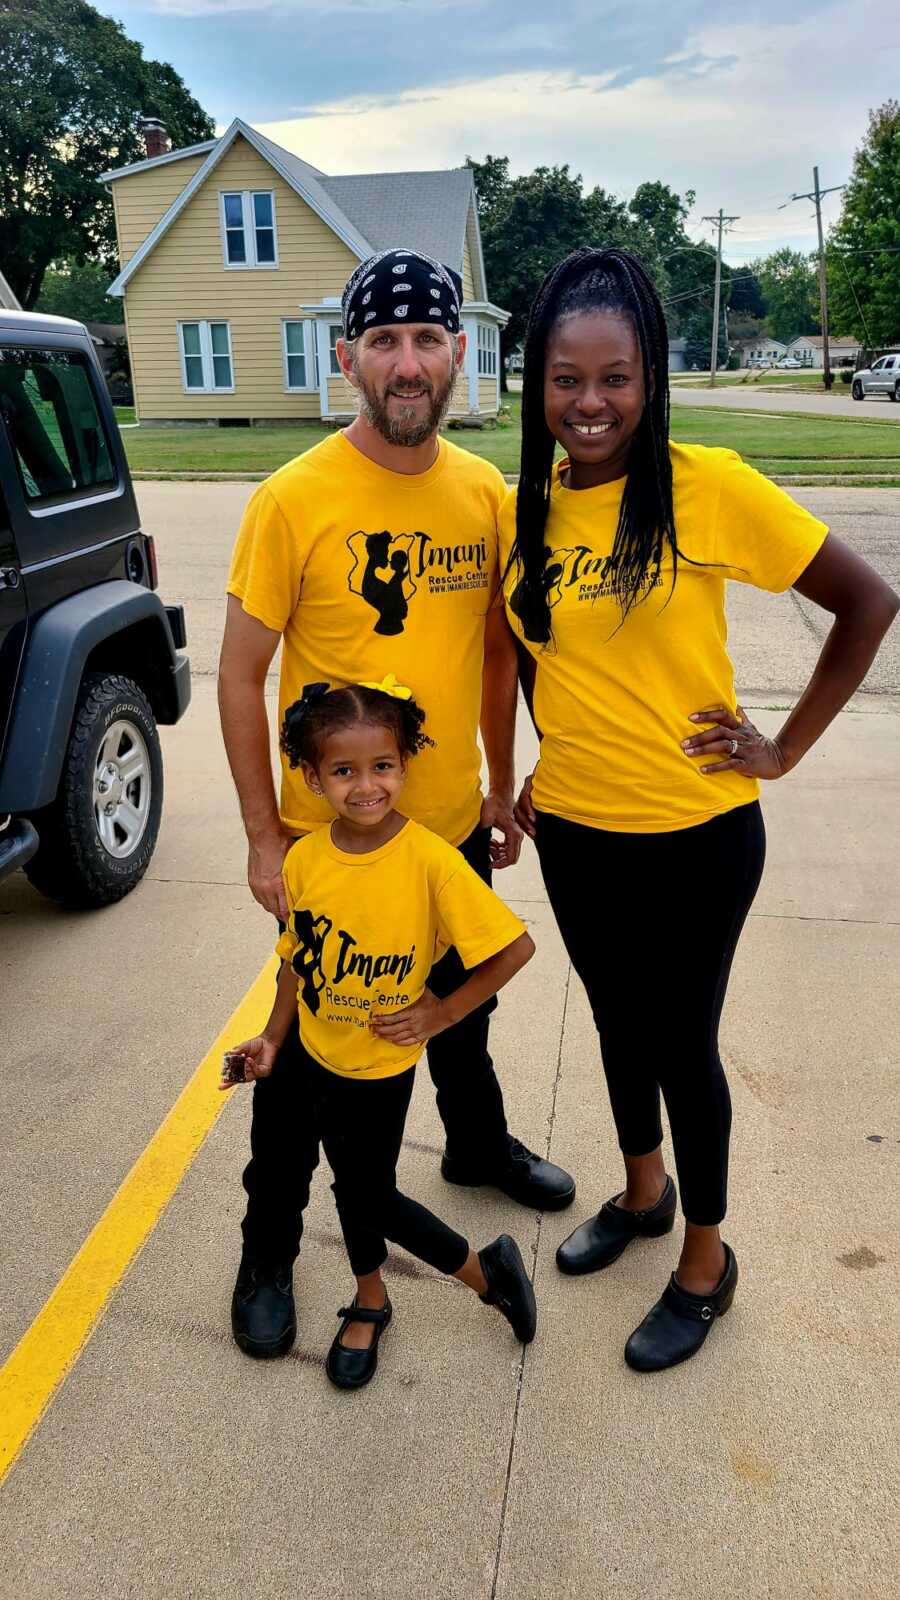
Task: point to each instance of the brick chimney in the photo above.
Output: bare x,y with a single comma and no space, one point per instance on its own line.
155,137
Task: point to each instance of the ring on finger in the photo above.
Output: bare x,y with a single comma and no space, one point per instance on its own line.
732,746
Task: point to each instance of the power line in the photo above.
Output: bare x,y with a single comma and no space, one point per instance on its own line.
721,221
817,194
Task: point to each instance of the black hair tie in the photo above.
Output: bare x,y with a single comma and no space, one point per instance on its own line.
312,692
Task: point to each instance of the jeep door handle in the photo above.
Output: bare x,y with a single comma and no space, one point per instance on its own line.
9,578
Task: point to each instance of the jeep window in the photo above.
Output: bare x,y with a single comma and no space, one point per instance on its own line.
48,405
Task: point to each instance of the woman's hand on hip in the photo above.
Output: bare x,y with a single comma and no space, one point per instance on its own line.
524,811
733,736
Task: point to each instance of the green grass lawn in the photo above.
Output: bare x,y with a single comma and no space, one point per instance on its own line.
789,445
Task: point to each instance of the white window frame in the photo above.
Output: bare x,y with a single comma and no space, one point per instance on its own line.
488,350
206,355
309,352
330,328
249,229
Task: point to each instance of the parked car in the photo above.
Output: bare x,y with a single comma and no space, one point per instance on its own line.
883,377
789,363
89,662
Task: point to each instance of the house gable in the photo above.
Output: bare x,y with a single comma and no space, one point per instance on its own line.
143,196
302,178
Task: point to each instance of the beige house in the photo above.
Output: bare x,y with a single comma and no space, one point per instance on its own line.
809,348
233,256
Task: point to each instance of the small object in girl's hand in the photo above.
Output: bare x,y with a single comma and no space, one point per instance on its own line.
233,1063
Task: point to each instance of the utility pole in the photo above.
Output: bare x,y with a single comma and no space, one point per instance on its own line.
816,195
721,221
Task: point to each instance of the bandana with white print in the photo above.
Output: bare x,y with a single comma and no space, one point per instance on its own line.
399,286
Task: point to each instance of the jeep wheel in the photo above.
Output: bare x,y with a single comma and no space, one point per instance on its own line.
857,391
99,834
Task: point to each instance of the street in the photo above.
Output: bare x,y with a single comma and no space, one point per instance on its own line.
168,1465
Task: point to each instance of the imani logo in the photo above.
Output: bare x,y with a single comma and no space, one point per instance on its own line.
381,576
307,958
552,578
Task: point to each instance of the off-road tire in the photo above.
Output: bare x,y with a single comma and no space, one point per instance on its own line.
72,864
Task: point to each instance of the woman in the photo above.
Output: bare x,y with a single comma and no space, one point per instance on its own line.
644,802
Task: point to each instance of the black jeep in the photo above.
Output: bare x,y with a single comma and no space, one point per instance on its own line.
88,651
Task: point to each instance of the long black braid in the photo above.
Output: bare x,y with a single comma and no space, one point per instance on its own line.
597,280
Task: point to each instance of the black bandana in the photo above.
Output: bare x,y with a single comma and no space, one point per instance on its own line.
401,286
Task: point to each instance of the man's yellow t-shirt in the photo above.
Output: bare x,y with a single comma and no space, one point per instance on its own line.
367,572
613,699
364,931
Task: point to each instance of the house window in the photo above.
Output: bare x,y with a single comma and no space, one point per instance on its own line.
248,228
298,338
487,351
206,363
334,366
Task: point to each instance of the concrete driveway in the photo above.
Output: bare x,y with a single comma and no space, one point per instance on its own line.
168,1466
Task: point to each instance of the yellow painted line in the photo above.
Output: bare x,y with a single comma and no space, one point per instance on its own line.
53,1343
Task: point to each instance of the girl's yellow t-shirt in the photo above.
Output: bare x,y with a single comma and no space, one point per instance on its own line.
613,699
364,931
367,572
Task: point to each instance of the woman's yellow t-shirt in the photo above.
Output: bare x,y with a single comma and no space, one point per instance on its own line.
613,699
367,572
364,931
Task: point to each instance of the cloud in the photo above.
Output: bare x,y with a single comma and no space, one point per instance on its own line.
740,114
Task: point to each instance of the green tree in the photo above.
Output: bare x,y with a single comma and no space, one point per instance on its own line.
79,291
864,247
74,86
698,339
789,285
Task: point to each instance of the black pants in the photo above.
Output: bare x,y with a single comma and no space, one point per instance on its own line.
284,1136
361,1122
651,922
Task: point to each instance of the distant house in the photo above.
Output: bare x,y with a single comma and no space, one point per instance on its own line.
677,360
760,348
234,254
8,301
808,348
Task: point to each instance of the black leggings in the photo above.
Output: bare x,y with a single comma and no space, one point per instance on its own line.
651,922
361,1122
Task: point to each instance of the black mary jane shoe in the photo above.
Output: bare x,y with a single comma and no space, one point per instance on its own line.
509,1286
352,1369
263,1319
675,1328
600,1241
520,1174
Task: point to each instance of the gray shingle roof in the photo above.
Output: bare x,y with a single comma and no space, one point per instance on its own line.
426,211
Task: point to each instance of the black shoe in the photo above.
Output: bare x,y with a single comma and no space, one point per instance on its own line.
678,1324
263,1319
600,1241
351,1369
509,1286
521,1175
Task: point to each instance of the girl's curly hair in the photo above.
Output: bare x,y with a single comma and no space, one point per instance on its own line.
321,711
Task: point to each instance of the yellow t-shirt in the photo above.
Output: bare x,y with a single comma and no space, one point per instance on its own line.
367,572
612,701
364,931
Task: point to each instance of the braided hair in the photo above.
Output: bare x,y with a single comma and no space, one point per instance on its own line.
597,280
322,711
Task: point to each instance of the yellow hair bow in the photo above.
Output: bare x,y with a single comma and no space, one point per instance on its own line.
389,685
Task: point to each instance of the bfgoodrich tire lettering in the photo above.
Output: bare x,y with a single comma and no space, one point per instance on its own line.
74,865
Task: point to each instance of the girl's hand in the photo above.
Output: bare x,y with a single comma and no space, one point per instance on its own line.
746,750
524,810
416,1024
259,1059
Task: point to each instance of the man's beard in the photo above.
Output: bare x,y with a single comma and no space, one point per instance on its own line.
405,427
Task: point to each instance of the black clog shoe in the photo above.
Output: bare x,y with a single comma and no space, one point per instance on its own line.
509,1286
520,1174
263,1319
352,1369
600,1241
679,1323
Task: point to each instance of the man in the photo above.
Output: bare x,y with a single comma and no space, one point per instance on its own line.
376,553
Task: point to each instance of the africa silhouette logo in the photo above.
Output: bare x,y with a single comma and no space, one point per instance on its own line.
381,576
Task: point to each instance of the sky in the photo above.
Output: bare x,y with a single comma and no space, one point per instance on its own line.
737,101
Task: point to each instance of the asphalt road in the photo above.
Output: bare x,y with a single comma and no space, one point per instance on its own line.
168,1466
738,397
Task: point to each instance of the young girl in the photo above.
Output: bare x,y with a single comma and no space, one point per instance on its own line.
644,803
373,898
